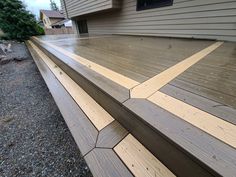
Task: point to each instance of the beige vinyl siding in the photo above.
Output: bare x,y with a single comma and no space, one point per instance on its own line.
82,7
63,7
210,19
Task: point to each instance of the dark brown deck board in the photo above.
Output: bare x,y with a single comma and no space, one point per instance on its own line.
105,163
111,135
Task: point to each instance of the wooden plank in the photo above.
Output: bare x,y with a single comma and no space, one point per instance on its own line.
115,77
216,127
139,160
214,95
83,131
150,86
105,163
215,108
111,135
98,116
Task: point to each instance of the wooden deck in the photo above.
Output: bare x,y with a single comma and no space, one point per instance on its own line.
177,97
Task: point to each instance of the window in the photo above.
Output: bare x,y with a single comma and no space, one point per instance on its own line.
150,4
82,26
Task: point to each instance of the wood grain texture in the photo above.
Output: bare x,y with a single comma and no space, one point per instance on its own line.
139,160
98,116
213,125
105,163
81,128
115,77
150,86
111,135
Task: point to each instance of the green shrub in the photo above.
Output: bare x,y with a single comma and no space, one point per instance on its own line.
16,22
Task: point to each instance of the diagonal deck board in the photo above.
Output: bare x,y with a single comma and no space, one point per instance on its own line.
150,86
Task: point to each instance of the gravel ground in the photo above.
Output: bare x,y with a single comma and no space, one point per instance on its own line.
34,139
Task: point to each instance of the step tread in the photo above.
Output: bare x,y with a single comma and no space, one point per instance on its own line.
132,152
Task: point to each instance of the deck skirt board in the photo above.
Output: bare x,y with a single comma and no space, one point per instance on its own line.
148,87
98,116
211,124
114,76
139,160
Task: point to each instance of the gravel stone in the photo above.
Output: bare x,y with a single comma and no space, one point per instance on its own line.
34,139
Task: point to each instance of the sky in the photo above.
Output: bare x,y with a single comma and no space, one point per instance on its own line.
35,5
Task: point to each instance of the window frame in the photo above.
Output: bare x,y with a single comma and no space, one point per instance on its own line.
155,5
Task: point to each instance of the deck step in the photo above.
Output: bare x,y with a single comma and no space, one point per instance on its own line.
177,143
99,137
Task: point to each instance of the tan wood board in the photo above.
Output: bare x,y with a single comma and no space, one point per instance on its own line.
211,124
98,116
155,83
139,160
112,75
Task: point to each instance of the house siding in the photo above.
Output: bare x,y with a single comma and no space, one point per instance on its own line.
81,7
208,19
63,7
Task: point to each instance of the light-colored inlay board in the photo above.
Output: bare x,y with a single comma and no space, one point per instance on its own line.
112,75
213,125
150,86
98,116
139,160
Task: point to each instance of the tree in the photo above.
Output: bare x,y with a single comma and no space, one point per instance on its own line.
16,22
53,5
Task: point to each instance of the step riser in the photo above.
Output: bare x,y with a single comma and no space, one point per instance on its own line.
175,158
